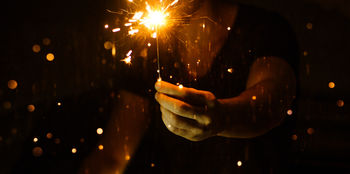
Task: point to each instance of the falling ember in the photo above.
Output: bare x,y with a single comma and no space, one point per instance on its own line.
99,131
106,26
239,163
116,30
132,32
74,150
129,53
100,147
35,139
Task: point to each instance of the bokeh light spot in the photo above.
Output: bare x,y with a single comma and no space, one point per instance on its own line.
31,108
37,151
239,163
7,105
331,85
50,57
46,41
12,84
49,135
309,26
108,45
340,103
100,147
36,48
74,150
310,131
99,131
253,97
35,139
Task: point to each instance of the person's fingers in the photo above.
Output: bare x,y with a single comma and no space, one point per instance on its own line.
192,95
180,122
185,133
179,107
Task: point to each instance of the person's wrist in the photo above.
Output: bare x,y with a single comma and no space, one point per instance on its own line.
221,114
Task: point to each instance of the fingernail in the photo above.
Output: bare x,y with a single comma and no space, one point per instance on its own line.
157,85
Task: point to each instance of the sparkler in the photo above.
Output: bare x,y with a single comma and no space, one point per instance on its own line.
150,19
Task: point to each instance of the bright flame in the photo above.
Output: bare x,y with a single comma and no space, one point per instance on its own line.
155,18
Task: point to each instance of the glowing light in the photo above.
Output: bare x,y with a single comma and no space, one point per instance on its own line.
100,147
305,53
228,28
35,139
203,26
49,135
46,41
152,165
133,31
37,151
331,85
127,157
106,26
239,163
127,24
115,30
36,48
289,112
99,131
154,35
57,141
59,104
340,103
155,18
74,150
127,60
253,97
129,53
108,45
114,50
149,44
181,86
159,79
7,105
12,84
50,57
230,70
309,26
82,140
30,108
310,131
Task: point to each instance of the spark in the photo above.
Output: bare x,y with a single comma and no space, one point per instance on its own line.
150,19
116,30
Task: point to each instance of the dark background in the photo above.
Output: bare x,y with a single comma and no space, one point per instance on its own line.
75,29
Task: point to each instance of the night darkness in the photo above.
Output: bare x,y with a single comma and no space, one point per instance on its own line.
58,88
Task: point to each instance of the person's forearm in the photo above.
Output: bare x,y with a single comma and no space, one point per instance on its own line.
256,110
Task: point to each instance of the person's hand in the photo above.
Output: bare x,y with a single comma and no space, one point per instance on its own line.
189,113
